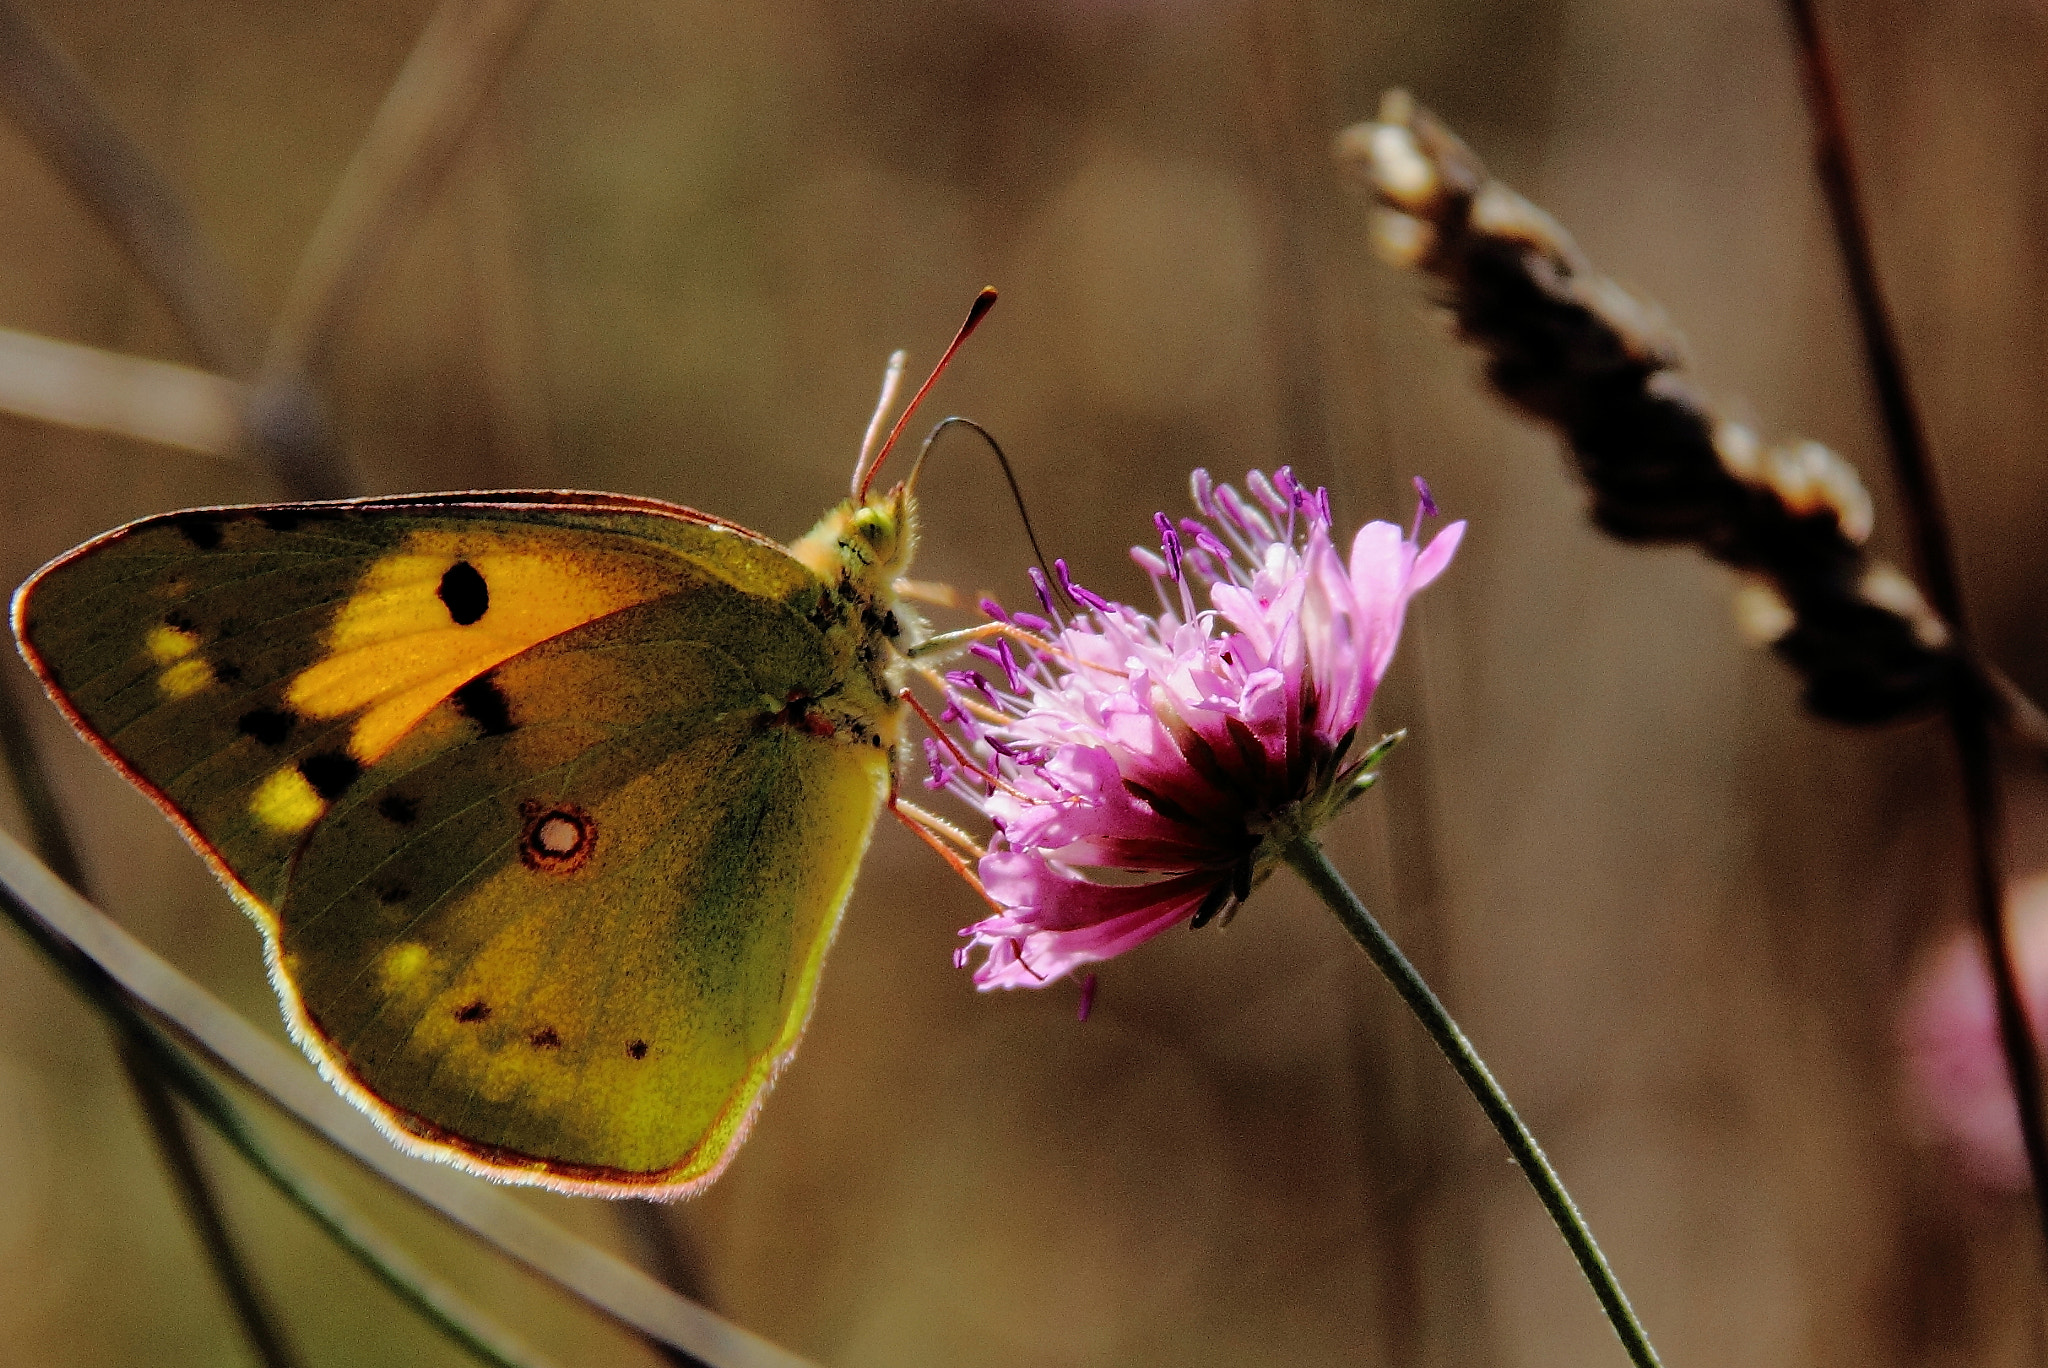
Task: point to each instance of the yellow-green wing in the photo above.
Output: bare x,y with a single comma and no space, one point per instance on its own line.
547,855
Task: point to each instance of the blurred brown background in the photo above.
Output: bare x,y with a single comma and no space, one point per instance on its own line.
1675,914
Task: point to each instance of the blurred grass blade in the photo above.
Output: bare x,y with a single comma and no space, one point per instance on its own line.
599,1278
446,1309
180,1157
203,1207
124,189
451,72
102,391
157,1069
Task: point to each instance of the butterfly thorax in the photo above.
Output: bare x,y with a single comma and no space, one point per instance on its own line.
857,551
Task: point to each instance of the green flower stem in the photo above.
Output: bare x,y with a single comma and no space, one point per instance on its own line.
1308,860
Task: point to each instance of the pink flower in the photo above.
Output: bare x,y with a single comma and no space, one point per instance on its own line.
1953,1057
1141,770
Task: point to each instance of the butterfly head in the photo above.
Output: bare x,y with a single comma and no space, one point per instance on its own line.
864,544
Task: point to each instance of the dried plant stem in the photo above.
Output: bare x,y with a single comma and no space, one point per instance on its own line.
1969,709
449,75
1307,859
1283,121
145,1046
126,191
129,396
202,1208
439,1304
31,783
195,1189
671,1258
52,913
123,188
156,1069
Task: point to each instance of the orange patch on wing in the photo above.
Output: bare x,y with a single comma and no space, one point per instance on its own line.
447,606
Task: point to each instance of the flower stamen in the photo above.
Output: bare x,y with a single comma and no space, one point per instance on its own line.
945,738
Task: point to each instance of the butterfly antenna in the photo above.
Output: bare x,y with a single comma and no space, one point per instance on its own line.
983,302
1009,477
892,381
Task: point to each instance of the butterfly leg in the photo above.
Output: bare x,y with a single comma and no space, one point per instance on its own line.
929,592
967,636
929,826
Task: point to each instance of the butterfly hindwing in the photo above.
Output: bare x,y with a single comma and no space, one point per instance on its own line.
548,856
595,915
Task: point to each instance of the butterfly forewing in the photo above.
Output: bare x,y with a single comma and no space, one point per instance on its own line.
548,854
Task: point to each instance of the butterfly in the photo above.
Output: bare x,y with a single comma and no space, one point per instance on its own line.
548,804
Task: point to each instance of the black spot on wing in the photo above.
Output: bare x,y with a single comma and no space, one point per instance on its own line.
396,807
545,1039
330,772
473,1011
484,703
201,529
268,725
464,593
279,519
637,1049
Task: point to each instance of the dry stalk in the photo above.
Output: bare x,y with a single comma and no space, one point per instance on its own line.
1573,349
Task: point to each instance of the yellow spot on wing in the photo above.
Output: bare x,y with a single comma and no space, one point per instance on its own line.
167,644
185,677
401,964
395,651
286,802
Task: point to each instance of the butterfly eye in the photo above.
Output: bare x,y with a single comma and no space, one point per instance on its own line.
872,525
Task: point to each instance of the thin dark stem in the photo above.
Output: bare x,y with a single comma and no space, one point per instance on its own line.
48,834
1285,122
1308,860
439,1304
447,81
670,1256
181,1160
53,841
118,972
123,188
1970,703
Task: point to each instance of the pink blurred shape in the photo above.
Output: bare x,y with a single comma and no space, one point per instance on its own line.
1957,1072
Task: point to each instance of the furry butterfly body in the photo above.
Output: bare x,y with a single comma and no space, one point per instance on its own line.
548,803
